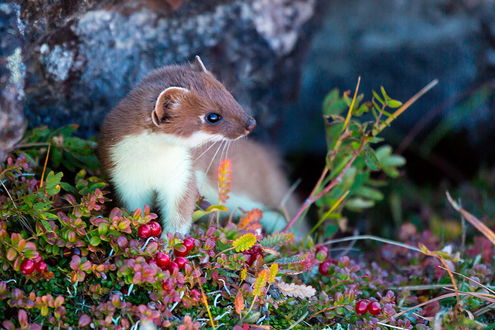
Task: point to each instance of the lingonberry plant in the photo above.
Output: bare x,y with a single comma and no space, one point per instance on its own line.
71,258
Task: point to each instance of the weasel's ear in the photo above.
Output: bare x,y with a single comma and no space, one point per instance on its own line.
169,99
198,65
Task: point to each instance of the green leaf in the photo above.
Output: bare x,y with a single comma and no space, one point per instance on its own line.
103,228
330,230
277,239
95,240
371,160
391,171
47,225
56,157
383,152
377,97
332,132
358,204
297,259
369,193
339,164
67,187
52,186
394,103
394,161
333,104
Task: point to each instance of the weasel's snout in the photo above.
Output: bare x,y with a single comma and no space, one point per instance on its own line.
250,124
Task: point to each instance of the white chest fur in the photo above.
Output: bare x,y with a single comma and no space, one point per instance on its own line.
148,164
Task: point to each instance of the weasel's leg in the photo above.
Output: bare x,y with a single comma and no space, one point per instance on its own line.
176,211
134,195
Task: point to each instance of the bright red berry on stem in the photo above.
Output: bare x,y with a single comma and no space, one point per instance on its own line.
27,267
181,262
156,229
321,252
173,267
189,243
41,267
144,231
375,308
162,260
324,267
181,250
362,306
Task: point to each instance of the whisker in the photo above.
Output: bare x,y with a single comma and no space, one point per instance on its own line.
204,152
213,158
228,148
223,155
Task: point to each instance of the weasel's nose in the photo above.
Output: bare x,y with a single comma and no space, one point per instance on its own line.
250,124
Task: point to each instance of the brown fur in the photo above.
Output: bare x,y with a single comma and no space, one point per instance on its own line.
207,94
178,112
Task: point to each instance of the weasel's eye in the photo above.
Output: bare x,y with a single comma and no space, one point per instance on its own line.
213,118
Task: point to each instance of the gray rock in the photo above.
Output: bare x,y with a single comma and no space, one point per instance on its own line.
83,62
11,78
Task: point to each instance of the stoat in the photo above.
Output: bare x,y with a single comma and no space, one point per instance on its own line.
155,147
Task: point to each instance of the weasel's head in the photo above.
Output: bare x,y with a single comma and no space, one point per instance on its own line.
197,108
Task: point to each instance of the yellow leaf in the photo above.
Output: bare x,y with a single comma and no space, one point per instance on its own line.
243,274
245,242
273,273
260,282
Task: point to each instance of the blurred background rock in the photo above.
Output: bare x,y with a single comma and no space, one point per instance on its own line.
71,61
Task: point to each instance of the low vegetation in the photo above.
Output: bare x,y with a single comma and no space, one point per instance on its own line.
71,258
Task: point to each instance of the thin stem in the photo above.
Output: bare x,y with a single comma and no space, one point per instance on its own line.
406,105
373,238
311,199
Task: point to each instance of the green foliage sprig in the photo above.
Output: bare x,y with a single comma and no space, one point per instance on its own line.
352,152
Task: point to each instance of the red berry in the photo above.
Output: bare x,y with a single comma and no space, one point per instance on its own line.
155,227
189,243
362,306
375,308
37,259
181,250
321,252
181,262
144,231
27,267
324,267
173,267
41,267
162,260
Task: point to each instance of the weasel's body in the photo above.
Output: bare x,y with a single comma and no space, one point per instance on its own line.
153,146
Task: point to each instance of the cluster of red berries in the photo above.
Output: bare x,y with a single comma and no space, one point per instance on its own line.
253,254
322,254
164,261
151,229
372,307
28,266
